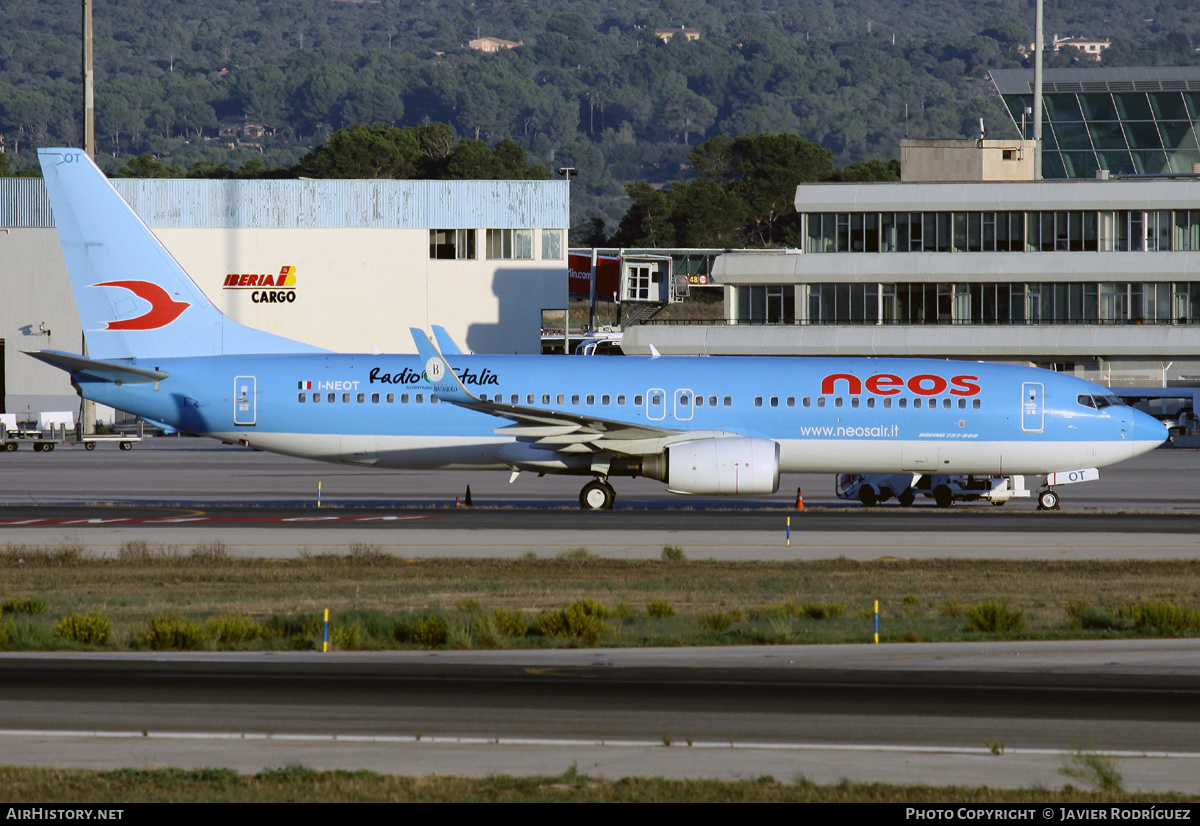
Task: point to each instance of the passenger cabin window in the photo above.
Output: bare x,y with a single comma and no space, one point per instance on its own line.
728,401
391,398
637,401
758,401
712,401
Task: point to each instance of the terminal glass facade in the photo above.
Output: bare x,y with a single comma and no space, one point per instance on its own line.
1119,230
1126,121
1094,302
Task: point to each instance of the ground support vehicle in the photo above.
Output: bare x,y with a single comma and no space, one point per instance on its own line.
45,439
871,489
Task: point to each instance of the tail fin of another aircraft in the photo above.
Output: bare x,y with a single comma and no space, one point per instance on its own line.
134,299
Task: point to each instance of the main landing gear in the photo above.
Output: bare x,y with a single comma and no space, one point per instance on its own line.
597,495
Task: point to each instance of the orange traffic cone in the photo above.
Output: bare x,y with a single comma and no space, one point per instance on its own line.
799,499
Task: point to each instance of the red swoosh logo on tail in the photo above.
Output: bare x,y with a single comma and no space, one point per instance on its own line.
163,309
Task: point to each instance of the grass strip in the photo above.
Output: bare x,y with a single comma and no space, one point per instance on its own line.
166,597
300,784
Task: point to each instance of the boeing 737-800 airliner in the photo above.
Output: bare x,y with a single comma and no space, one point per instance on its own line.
158,348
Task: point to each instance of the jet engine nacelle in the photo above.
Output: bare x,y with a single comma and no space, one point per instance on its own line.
724,466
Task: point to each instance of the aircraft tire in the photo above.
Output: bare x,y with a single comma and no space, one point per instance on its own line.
943,497
597,496
866,495
1047,500
906,499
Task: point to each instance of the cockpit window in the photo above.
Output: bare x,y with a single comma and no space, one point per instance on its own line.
1099,402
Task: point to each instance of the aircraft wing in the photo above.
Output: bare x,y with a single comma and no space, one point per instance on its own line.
553,430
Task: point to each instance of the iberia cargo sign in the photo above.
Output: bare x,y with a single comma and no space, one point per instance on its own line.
579,276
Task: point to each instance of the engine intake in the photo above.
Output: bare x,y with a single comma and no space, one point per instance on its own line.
725,466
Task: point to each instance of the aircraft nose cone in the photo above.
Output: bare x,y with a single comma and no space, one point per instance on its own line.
1147,431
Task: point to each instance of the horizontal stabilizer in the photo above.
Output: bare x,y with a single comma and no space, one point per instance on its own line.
99,370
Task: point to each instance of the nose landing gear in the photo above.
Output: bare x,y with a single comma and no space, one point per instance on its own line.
1047,500
597,495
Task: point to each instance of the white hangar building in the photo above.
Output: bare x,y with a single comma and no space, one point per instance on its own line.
345,265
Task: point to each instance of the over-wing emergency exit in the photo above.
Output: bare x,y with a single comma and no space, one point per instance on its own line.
158,348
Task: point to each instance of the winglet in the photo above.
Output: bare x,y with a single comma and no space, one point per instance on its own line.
441,378
444,342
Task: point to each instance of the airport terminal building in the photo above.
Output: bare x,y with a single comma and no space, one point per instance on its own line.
1096,277
345,265
969,257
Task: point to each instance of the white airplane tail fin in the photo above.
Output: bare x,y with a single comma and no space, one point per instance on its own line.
134,299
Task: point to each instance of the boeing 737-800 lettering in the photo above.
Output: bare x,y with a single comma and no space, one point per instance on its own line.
160,349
